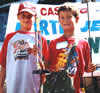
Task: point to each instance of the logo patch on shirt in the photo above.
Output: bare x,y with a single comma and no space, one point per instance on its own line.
21,49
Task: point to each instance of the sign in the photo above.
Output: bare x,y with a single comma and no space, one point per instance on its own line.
51,29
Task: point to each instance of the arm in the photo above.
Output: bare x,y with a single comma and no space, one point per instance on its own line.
2,78
89,67
45,52
3,55
45,58
2,68
50,55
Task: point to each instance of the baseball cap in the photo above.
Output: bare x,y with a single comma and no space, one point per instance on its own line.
28,7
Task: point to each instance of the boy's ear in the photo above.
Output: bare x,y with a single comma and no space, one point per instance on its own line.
77,18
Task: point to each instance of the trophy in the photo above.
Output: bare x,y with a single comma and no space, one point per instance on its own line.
38,43
38,37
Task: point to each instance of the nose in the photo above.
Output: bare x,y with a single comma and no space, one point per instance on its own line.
66,20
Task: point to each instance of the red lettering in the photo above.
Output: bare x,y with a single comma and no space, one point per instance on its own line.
50,11
43,11
83,10
56,10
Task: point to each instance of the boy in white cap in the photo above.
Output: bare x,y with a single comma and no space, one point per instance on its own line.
18,55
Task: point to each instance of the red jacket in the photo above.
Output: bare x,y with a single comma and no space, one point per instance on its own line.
83,51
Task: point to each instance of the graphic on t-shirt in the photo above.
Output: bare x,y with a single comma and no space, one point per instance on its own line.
73,64
62,59
21,49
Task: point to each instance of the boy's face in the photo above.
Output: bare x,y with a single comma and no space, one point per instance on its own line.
67,21
26,20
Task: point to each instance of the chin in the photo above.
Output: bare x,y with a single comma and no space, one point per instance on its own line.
68,34
28,28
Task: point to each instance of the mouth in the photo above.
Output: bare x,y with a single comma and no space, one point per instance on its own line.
66,24
27,23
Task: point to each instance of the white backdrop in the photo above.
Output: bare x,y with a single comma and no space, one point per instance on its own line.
51,28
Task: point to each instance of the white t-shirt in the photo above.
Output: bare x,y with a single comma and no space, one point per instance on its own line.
20,64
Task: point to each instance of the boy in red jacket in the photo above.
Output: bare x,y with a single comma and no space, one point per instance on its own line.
59,50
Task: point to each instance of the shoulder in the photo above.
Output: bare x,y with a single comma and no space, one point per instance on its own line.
44,41
9,36
82,43
43,38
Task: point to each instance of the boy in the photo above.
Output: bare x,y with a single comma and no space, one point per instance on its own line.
18,55
65,74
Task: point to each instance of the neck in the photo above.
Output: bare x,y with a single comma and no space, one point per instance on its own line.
25,30
69,36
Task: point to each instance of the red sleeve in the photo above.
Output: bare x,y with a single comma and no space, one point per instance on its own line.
85,59
84,56
52,56
45,50
3,53
45,56
50,51
87,56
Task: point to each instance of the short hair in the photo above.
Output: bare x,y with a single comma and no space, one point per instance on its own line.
69,7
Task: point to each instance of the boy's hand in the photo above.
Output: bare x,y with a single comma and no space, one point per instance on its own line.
91,67
43,78
33,50
2,78
1,90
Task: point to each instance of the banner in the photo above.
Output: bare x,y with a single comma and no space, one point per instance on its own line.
51,29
